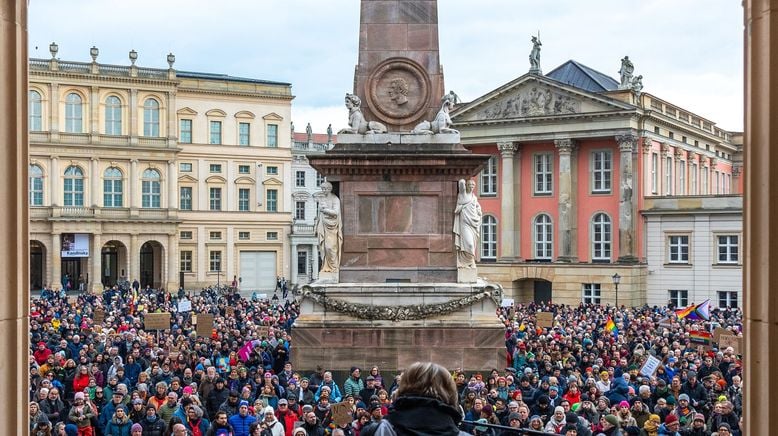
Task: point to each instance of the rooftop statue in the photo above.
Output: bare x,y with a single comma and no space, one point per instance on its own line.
534,55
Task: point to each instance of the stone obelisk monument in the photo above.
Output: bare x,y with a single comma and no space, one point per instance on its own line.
398,222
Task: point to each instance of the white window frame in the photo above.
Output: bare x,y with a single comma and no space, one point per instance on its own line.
668,175
678,297
151,117
215,132
319,179
185,135
73,187
215,198
185,167
543,167
543,237
271,204
602,166
113,115
151,189
299,210
681,190
35,104
36,185
215,235
184,201
272,135
591,293
113,187
244,169
244,236
299,179
185,234
186,261
705,178
488,176
271,236
74,113
654,173
215,168
676,244
693,178
727,299
215,261
732,250
244,137
602,244
489,238
244,199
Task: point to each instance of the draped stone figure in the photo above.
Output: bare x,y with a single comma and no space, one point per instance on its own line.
467,224
329,229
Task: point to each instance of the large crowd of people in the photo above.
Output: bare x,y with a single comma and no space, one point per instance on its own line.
95,370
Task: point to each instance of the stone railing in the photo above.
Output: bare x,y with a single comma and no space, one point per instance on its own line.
69,211
74,138
155,141
302,229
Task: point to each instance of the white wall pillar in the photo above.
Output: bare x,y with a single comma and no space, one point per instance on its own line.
510,208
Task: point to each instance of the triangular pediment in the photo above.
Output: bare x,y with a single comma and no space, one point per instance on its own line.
531,96
272,116
187,179
186,111
272,182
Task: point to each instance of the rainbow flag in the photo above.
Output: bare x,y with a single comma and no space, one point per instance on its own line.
699,312
611,327
700,337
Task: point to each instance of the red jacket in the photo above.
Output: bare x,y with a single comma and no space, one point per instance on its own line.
80,383
41,355
287,419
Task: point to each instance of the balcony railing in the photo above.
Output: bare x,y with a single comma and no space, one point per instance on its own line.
302,229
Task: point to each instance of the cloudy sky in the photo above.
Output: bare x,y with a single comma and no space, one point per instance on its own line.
689,52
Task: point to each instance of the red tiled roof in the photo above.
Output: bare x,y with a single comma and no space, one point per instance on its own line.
319,138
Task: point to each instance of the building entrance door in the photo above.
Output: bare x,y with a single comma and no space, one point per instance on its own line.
71,271
542,292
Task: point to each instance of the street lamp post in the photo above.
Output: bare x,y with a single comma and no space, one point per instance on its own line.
616,279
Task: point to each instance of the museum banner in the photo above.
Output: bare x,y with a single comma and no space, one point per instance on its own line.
75,245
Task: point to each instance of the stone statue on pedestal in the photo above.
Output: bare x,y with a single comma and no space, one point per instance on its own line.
442,122
534,56
329,133
309,132
329,229
356,121
626,70
467,225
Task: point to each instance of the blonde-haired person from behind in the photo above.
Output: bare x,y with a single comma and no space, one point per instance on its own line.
427,403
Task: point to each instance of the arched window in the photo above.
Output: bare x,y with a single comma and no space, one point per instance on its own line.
150,117
113,115
489,238
36,111
73,188
74,122
601,238
544,241
112,187
36,186
150,189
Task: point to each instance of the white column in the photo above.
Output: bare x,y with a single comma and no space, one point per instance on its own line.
133,185
96,262
94,110
315,262
229,268
54,182
509,236
56,261
566,204
293,278
172,185
133,259
627,144
133,109
94,175
230,200
171,282
54,112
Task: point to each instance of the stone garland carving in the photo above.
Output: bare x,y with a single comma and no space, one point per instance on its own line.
535,102
356,121
399,313
442,122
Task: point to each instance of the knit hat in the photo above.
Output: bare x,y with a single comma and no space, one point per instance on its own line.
243,403
487,410
559,409
654,417
514,415
670,419
79,396
534,417
612,420
480,427
136,427
188,390
699,416
683,397
624,404
571,418
724,425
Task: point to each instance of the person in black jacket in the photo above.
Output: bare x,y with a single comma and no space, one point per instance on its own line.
216,397
152,424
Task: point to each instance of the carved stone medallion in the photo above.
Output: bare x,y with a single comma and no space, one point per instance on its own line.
398,91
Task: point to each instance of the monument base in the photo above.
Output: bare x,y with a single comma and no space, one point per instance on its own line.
392,325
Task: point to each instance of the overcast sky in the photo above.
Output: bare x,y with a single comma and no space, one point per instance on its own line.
690,52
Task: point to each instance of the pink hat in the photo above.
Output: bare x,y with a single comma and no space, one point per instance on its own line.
79,396
624,404
188,390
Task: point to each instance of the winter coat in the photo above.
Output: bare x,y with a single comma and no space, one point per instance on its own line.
240,424
118,428
420,416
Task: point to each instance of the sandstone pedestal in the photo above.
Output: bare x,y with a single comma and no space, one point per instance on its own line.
399,297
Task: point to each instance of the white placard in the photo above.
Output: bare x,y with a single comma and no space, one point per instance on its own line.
507,302
75,245
650,367
184,306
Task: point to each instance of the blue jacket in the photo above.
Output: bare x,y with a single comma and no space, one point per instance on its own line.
619,391
204,424
241,424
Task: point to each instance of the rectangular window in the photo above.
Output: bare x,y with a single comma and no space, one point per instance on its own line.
678,248
678,298
704,181
216,132
271,236
543,168
215,263
319,179
272,171
601,171
112,192
185,202
272,135
244,236
299,179
185,167
591,293
302,263
727,299
488,185
299,210
669,176
244,195
244,133
489,238
656,128
728,249
216,199
244,169
670,135
186,234
185,131
215,168
681,178
186,261
272,200
716,183
215,236
654,173
693,179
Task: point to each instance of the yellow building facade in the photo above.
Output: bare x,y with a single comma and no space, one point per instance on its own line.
172,178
